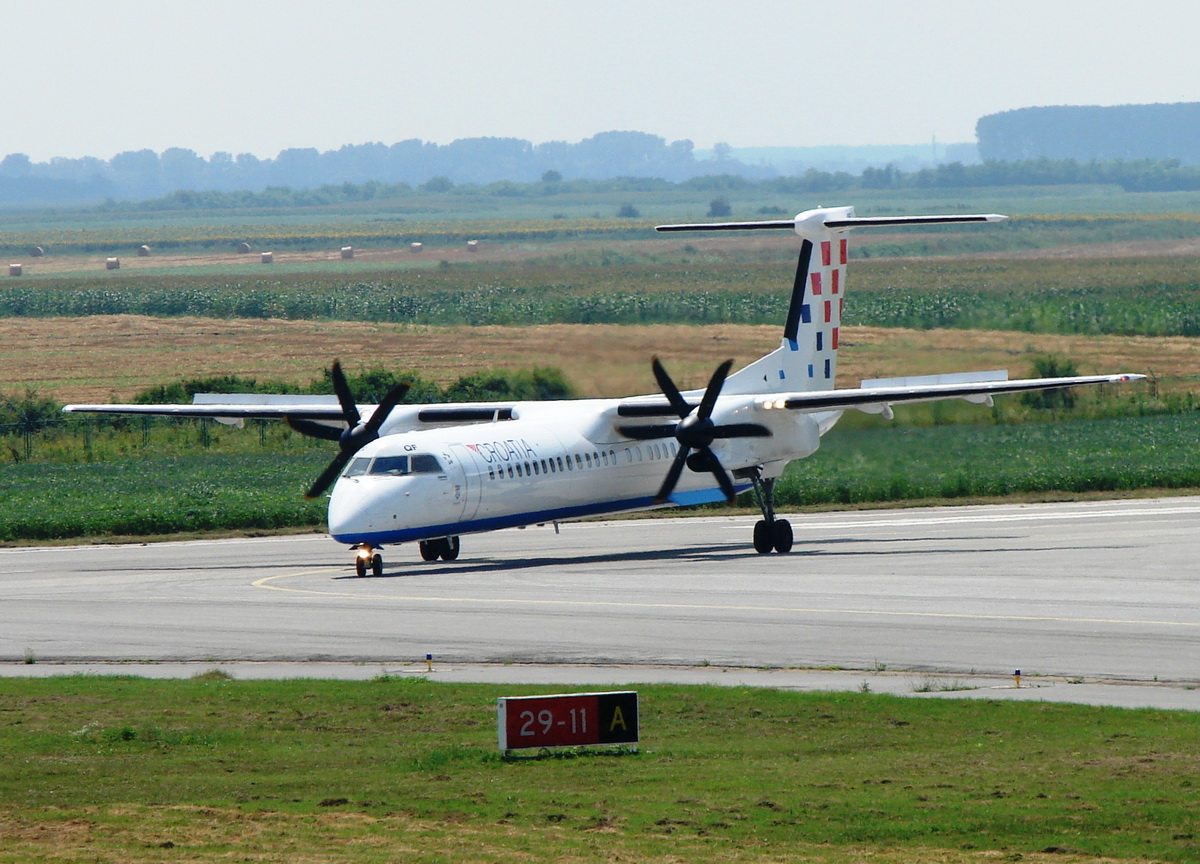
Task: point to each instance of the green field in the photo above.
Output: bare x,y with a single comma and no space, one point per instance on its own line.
176,484
129,770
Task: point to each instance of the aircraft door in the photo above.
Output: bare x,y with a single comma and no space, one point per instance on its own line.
464,470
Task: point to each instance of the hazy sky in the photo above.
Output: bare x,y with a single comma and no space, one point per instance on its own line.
95,78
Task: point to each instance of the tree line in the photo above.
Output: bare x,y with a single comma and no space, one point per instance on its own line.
1144,175
612,161
1091,132
142,174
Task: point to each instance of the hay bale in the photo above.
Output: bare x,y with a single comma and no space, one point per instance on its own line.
244,248
268,258
14,269
416,247
112,264
472,245
37,252
143,251
347,253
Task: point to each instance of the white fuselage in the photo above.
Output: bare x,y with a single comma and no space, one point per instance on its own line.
562,463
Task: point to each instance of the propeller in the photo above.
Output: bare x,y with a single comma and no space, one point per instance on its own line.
695,431
355,436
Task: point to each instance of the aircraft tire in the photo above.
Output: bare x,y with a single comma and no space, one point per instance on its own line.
360,567
376,565
781,536
450,548
430,549
763,537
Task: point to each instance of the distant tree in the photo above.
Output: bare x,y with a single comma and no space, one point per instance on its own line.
1051,366
722,152
628,211
719,207
881,178
440,183
15,165
552,176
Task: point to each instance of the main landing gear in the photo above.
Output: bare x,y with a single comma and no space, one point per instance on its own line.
445,548
769,533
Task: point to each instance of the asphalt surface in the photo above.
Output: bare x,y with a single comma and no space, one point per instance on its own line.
1094,602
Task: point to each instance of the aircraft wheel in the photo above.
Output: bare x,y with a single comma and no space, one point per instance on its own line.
763,540
430,550
450,547
360,566
376,564
782,536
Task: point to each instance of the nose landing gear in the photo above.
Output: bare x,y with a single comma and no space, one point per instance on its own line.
368,558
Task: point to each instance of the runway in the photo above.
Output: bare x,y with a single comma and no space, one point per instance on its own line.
1094,590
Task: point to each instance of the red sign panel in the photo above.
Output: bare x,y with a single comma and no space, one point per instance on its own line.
567,720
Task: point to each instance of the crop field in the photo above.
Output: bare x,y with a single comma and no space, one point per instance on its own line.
1140,295
126,771
57,357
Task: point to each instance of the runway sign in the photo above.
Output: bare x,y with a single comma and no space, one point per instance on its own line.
567,720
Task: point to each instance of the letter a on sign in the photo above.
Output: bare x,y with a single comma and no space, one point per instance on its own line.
618,719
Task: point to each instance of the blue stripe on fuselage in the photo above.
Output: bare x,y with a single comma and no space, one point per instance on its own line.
474,526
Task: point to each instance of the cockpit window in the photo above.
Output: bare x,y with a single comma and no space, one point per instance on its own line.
391,465
396,466
423,463
357,466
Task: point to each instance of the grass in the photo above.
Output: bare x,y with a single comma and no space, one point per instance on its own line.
237,485
123,770
954,462
157,495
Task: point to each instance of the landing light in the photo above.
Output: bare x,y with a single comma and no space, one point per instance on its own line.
776,404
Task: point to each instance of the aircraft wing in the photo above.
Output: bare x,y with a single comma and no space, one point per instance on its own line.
236,408
877,396
229,407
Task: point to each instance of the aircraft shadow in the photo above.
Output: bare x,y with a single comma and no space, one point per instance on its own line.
713,553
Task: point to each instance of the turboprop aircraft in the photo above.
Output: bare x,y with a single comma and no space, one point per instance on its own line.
432,473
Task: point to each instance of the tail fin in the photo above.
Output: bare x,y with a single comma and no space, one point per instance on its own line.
807,357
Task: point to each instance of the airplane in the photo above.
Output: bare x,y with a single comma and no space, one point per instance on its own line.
432,473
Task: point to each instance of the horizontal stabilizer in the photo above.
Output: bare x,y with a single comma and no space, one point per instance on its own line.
832,219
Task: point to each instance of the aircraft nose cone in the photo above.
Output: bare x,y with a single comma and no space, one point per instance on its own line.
349,513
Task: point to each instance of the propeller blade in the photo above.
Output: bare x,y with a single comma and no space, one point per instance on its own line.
384,408
313,429
345,398
672,478
741,430
648,433
330,474
713,390
682,408
723,480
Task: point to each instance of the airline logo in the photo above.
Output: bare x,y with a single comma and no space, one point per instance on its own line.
503,451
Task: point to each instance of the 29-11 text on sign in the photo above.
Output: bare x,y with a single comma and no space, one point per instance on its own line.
567,720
